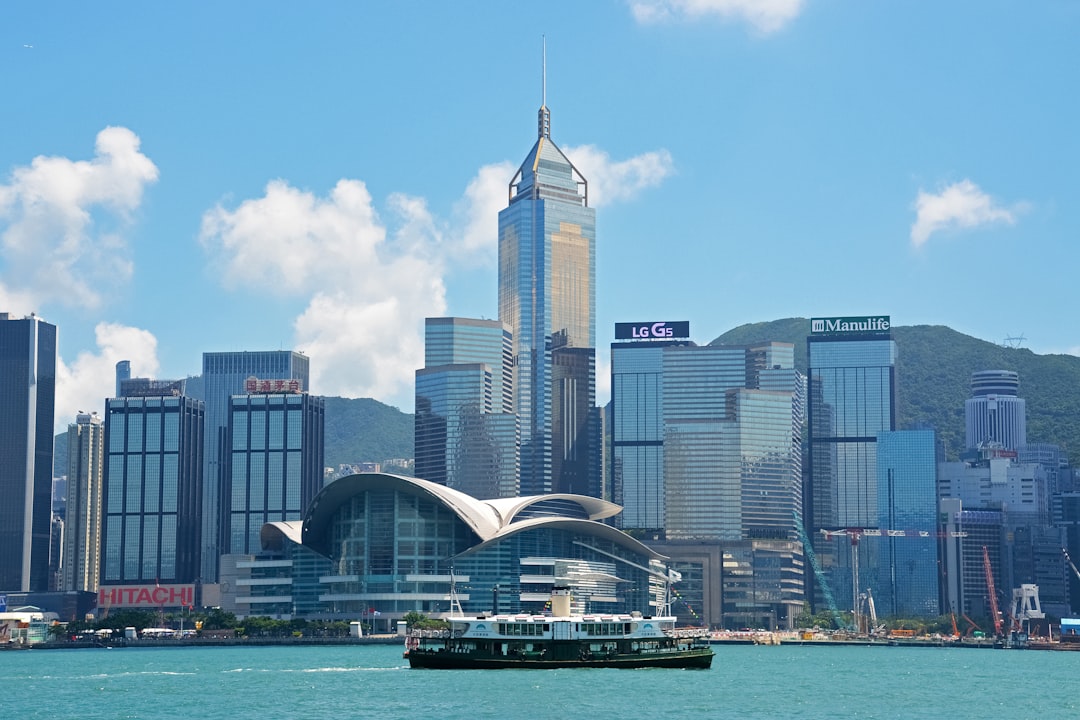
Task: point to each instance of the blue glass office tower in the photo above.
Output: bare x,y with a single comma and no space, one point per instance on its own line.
907,583
27,401
466,433
547,295
152,488
732,462
637,432
275,463
224,375
123,372
706,440
851,393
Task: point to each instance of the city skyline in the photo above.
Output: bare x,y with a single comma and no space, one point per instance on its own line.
264,192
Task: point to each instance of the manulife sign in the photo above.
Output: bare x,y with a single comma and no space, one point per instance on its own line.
842,325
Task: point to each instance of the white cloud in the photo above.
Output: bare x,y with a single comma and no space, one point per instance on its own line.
960,205
60,221
765,15
91,377
619,181
370,281
475,215
368,290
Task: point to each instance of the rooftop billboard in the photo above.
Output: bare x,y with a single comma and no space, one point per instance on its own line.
665,330
861,325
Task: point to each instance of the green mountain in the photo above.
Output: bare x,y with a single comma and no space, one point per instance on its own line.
362,429
357,430
934,367
933,371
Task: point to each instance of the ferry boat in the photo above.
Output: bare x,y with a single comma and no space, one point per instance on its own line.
559,640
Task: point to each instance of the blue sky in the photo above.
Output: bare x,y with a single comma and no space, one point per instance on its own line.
188,177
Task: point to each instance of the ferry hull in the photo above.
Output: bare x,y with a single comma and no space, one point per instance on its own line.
693,659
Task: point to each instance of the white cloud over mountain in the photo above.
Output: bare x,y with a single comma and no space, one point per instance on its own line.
960,205
765,16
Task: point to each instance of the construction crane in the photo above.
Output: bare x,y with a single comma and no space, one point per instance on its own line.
809,550
866,600
1025,608
1069,560
972,627
855,535
998,630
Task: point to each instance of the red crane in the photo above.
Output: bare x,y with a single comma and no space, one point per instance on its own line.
992,592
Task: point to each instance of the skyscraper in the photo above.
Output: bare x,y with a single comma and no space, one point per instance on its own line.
275,460
852,391
732,462
466,433
995,415
547,295
224,375
27,400
637,426
907,584
81,569
152,487
123,372
706,445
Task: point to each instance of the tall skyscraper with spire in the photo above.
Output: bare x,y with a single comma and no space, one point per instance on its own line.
547,295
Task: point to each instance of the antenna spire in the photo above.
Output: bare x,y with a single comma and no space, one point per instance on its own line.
544,116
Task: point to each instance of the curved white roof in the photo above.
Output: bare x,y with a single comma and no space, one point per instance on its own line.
489,519
482,518
597,509
586,527
271,533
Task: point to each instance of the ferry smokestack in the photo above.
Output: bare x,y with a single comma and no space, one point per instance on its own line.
560,601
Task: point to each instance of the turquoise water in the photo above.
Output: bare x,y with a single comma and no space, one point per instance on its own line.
375,682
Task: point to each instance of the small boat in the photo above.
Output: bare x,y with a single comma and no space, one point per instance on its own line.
559,640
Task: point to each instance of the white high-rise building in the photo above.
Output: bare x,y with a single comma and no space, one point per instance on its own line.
994,415
81,569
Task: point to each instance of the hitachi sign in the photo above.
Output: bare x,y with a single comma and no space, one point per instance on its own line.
146,596
871,324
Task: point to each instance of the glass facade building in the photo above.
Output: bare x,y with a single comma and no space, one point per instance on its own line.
275,464
466,433
402,544
224,375
152,490
851,399
706,449
27,402
637,442
81,562
732,458
547,296
907,581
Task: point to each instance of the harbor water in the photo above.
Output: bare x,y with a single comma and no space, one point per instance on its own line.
787,681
